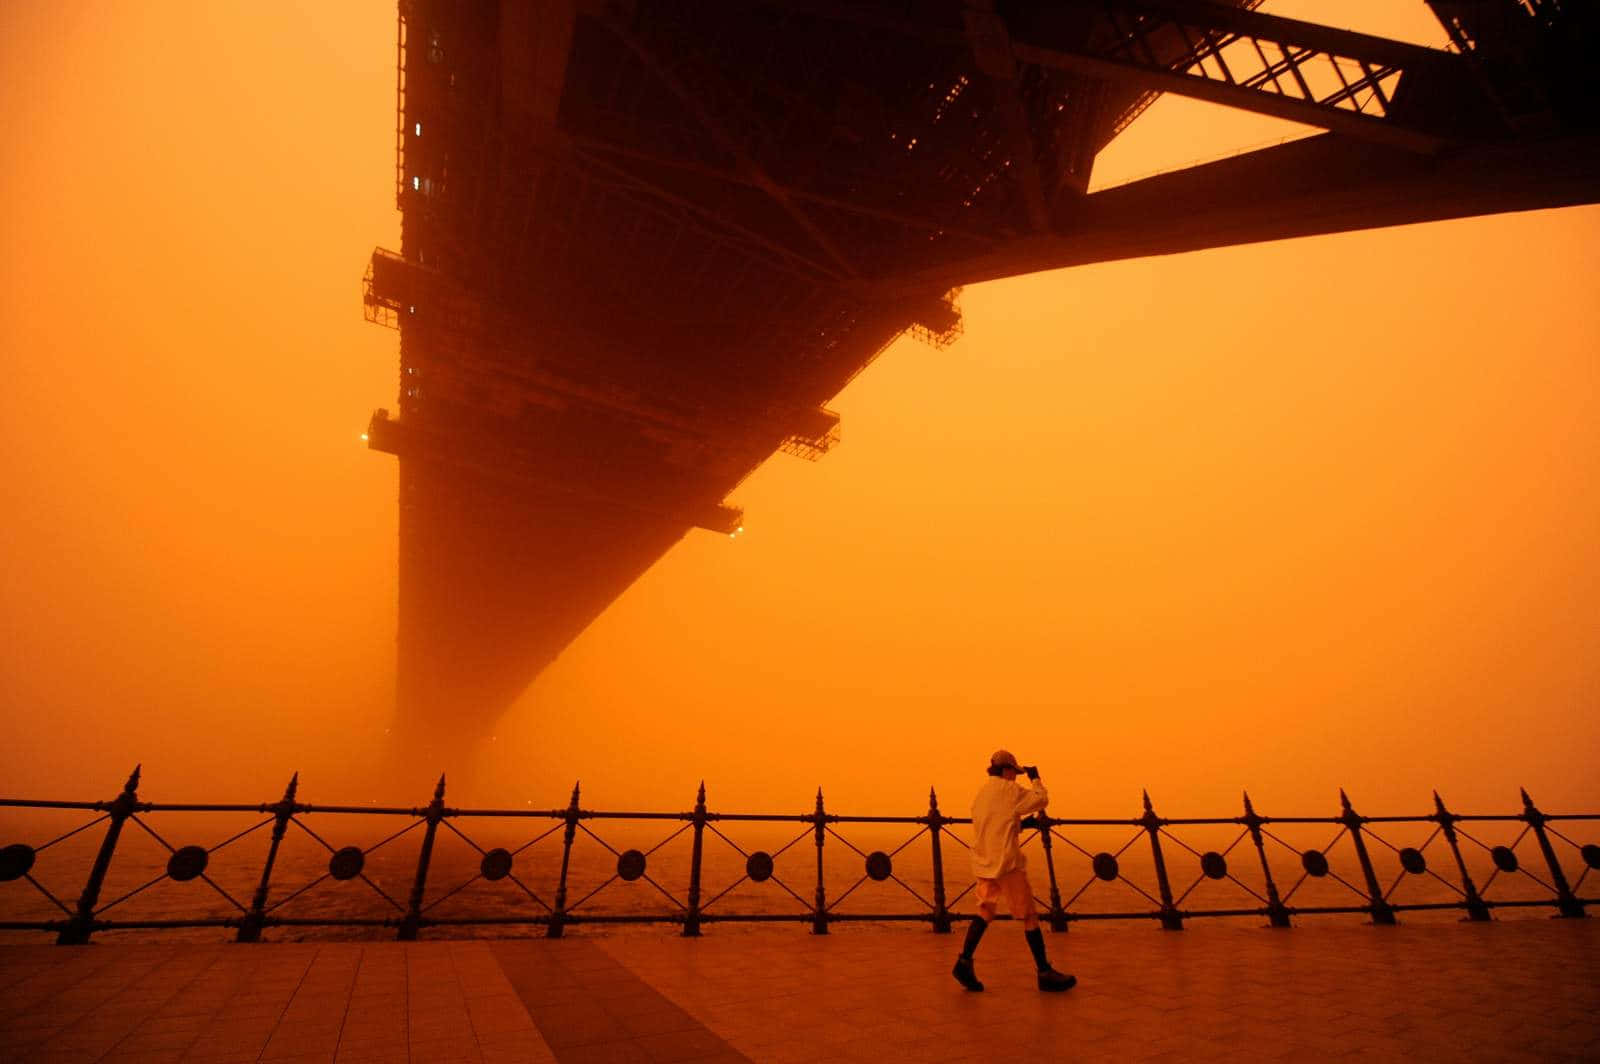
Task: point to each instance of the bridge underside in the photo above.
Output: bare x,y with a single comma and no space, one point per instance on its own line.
645,242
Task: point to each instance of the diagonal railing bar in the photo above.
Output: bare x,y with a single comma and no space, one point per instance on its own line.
964,843
866,876
1330,873
458,888
375,847
970,887
529,892
539,837
381,892
148,830
360,875
908,842
136,891
291,897
235,838
847,842
1484,890
463,836
81,827
668,839
1202,876
585,829
643,875
229,898
772,877
297,822
40,887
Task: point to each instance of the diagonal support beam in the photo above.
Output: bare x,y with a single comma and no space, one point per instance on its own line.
1310,187
751,169
1329,78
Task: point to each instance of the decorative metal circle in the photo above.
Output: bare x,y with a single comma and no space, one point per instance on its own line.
758,866
496,864
1214,865
1315,864
1504,859
187,863
347,863
879,866
16,861
1591,855
1412,861
1105,866
630,865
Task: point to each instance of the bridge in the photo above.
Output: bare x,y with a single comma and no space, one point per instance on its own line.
645,242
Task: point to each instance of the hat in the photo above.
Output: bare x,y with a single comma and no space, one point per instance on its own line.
1004,759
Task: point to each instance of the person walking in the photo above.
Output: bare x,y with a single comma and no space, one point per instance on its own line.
1001,869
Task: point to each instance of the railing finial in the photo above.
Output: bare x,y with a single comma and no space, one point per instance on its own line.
133,779
700,796
438,790
1145,794
1344,801
1527,803
1249,810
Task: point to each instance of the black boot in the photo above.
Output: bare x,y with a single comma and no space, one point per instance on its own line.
1049,978
963,970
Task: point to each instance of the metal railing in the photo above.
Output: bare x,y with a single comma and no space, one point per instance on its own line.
1053,836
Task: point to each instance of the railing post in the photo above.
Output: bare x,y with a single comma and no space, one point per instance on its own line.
691,922
559,918
1567,903
1277,912
1170,920
1058,919
1477,908
1381,912
413,917
250,926
81,925
819,912
941,914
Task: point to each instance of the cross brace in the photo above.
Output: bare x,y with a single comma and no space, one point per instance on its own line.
1333,79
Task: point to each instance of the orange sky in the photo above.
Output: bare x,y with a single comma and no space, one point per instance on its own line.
1293,516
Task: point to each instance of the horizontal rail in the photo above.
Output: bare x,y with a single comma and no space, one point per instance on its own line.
1344,864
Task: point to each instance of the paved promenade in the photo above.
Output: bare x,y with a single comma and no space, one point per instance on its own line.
1525,990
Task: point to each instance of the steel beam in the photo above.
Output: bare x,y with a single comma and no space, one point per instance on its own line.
1275,51
1323,184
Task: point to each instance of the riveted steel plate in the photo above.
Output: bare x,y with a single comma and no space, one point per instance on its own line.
1412,861
16,861
1105,867
347,863
496,864
630,865
758,866
879,867
1315,863
1214,865
187,863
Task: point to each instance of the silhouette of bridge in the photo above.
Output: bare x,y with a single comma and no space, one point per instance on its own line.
644,242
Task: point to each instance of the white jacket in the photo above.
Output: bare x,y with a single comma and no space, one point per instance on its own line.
1000,804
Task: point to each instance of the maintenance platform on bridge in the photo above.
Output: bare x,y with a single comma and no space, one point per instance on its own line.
1513,990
